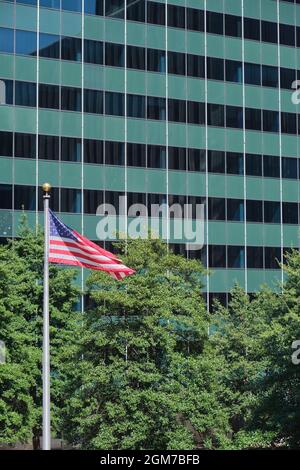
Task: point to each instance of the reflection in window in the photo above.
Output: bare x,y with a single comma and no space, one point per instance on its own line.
235,210
6,91
25,145
6,40
70,200
49,46
272,257
254,211
233,26
26,42
156,60
114,8
216,208
71,49
136,10
236,257
71,5
50,3
234,71
94,7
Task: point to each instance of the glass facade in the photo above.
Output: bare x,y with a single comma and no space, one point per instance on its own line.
173,101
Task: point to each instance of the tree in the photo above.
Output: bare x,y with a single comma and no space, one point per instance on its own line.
145,381
21,290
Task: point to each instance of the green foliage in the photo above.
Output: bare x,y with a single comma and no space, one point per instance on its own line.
21,291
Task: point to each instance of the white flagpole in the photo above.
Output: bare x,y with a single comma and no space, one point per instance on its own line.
46,341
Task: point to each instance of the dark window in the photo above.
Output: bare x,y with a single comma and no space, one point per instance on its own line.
272,258
136,57
176,110
234,71
156,13
176,63
93,101
25,94
271,166
255,257
177,158
233,26
215,115
70,200
235,210
114,54
114,8
136,10
114,103
216,208
92,200
136,155
252,74
70,99
176,16
156,60
70,149
215,68
234,117
217,256
156,156
288,123
5,196
114,153
287,76
93,151
196,160
236,257
271,212
48,96
270,121
254,211
71,5
94,7
252,29
195,66
6,144
6,40
136,106
253,165
214,23
290,212
49,46
269,31
289,168
234,163
24,198
216,161
269,76
93,52
196,112
25,145
26,42
195,19
48,147
287,35
253,119
6,91
156,108
71,49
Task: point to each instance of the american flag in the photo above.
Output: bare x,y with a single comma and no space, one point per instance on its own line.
66,246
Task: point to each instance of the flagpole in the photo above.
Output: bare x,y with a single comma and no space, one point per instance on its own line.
46,341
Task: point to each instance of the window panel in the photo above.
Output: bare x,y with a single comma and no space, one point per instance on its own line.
236,257
51,3
114,153
290,213
289,168
136,10
196,160
287,76
24,198
195,19
287,35
215,68
156,60
93,151
6,40
114,103
215,115
255,257
270,121
26,42
254,211
48,147
114,8
234,117
252,29
216,208
234,163
71,49
70,149
234,71
114,54
253,119
136,155
71,5
156,156
289,123
93,52
235,210
94,7
269,76
70,99
195,66
6,144
93,101
177,158
216,161
156,13
233,26
196,112
214,23
48,96
269,32
25,94
6,92
136,57
70,200
156,108
92,200
176,16
272,257
217,256
5,196
136,106
49,46
271,212
25,145
271,166
176,110
176,63
253,165
252,74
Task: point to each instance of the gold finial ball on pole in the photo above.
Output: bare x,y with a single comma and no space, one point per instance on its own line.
46,188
